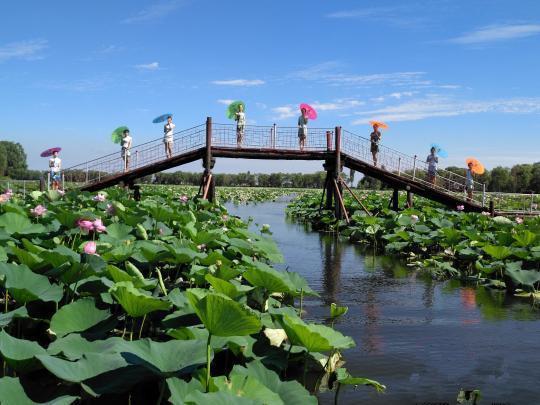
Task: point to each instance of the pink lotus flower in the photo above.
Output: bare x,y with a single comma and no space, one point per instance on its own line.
201,246
519,220
184,198
85,224
98,226
225,217
39,211
90,248
414,218
4,198
110,209
460,207
486,213
161,231
99,197
8,192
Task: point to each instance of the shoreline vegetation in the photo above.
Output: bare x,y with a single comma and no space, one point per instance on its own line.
500,252
169,299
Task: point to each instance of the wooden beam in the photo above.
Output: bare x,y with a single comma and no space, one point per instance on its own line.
340,200
355,197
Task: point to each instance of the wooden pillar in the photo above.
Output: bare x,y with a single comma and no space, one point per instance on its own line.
492,208
409,199
338,191
395,200
208,182
329,184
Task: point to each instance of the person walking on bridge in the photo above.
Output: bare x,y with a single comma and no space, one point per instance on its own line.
126,148
240,118
375,138
302,128
55,165
168,136
469,182
432,161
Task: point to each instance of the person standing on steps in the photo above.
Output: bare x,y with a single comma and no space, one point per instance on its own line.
240,118
375,138
126,149
168,137
55,165
432,161
469,182
302,128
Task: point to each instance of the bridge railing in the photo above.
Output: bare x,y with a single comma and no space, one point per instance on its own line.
515,202
409,167
270,137
141,155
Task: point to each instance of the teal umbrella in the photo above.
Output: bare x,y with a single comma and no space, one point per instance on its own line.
118,134
233,109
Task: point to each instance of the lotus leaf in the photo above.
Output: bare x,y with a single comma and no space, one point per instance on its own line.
19,353
77,317
261,275
498,252
180,389
12,393
343,377
6,318
525,278
336,311
223,316
135,302
27,286
247,386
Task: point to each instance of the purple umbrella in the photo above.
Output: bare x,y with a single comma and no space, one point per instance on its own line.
49,152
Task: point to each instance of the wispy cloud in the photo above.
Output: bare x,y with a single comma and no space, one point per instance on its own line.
239,82
26,50
398,15
340,104
154,12
495,33
225,101
148,66
285,111
441,106
329,73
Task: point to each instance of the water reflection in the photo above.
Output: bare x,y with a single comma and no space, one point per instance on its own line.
331,251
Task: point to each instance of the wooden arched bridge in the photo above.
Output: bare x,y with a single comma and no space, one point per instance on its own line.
335,147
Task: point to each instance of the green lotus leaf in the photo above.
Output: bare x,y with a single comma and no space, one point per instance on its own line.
290,392
261,275
3,255
14,223
343,377
12,393
26,286
525,238
77,317
336,311
223,316
6,318
135,302
224,287
525,278
74,346
19,353
246,386
183,255
180,389
315,338
117,232
218,398
32,260
300,284
498,252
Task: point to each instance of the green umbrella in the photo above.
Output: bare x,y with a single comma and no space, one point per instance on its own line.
233,109
118,134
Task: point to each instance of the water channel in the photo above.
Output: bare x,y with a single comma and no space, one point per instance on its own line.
424,339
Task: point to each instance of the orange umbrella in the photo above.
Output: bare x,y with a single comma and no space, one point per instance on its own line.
477,167
380,124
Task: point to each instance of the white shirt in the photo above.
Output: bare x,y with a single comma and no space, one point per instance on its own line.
55,164
126,142
241,118
168,129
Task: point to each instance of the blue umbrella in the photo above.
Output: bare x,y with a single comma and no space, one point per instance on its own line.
161,118
440,151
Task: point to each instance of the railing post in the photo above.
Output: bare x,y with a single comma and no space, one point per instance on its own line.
24,188
136,158
338,151
273,137
63,181
48,181
399,166
532,201
328,140
483,195
414,168
86,172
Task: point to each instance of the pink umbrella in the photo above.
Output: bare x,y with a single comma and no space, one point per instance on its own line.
49,152
310,111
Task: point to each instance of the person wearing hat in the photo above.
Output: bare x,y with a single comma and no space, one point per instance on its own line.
469,182
126,149
240,118
375,138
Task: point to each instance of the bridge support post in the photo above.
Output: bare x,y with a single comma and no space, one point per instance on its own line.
395,200
409,199
208,182
339,206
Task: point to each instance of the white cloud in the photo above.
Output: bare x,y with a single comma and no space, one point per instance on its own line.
225,101
262,106
495,33
284,112
398,95
148,66
359,13
440,106
239,82
26,50
340,104
153,12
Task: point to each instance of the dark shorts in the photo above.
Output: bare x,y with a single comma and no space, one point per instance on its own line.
374,148
432,172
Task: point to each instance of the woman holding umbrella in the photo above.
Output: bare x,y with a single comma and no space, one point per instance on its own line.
432,161
126,148
168,140
55,166
307,113
240,118
375,138
473,167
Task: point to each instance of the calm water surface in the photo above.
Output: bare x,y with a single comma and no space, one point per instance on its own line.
423,339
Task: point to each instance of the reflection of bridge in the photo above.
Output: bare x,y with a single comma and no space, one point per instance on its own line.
336,147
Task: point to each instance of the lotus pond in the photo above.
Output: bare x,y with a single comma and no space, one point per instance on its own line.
499,253
170,299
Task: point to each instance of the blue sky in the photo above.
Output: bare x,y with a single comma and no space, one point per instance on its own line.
461,73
